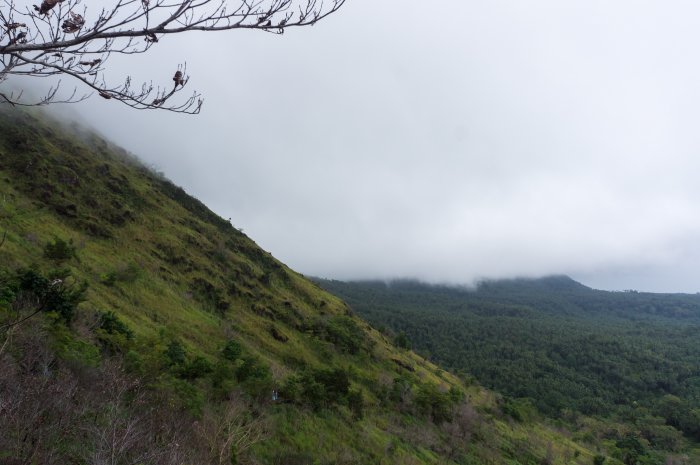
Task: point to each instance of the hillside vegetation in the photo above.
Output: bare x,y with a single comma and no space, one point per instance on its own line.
605,364
138,327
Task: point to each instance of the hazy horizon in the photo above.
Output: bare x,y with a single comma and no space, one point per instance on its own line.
503,139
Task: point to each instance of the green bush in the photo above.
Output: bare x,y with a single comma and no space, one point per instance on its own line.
400,390
456,395
291,390
431,402
59,250
249,368
312,392
231,351
56,292
335,381
111,324
125,274
345,334
114,335
356,403
176,354
133,362
222,379
198,367
320,388
255,377
630,449
401,341
520,410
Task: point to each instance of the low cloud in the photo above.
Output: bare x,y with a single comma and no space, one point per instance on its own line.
483,139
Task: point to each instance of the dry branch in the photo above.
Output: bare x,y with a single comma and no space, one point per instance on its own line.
65,38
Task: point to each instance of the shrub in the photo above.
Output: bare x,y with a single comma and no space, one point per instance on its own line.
113,334
222,378
52,293
59,250
356,403
291,390
335,382
111,324
255,377
320,388
133,362
250,368
231,351
520,410
176,353
198,367
345,334
312,392
456,395
400,390
430,401
401,341
126,274
630,449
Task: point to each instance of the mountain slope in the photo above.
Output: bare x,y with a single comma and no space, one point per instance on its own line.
629,357
155,316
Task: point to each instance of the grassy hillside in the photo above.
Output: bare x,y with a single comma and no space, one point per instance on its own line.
136,326
630,359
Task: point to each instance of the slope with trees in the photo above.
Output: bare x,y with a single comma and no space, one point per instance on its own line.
572,352
137,326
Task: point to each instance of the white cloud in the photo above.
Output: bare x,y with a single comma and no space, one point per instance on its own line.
448,140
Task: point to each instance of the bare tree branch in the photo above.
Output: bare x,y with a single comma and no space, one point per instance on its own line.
230,430
62,37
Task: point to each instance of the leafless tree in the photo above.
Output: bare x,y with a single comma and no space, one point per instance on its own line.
53,414
23,307
67,38
459,430
126,427
36,400
230,430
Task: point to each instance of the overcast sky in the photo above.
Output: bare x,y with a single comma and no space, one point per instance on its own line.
446,140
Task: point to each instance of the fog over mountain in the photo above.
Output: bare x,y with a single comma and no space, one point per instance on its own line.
446,140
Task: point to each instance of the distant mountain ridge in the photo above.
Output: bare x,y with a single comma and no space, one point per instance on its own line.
554,294
551,282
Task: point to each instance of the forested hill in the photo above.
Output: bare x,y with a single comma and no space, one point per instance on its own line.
630,356
555,295
561,294
137,326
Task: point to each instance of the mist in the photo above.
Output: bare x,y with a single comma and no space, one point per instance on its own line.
446,141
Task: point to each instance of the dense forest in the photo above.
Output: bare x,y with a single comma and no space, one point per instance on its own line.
570,350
